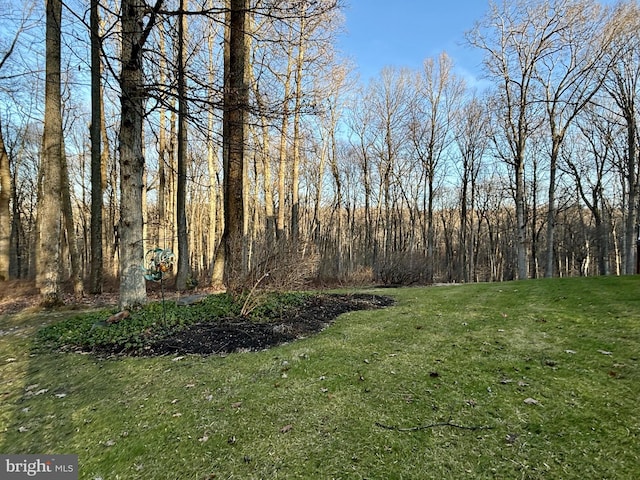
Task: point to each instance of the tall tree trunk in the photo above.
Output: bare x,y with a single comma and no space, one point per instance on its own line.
631,219
521,221
464,233
316,230
270,219
108,211
69,227
282,163
235,105
431,234
337,222
551,212
270,226
96,269
212,238
112,229
20,259
184,268
219,270
295,179
5,211
49,204
171,169
165,233
132,103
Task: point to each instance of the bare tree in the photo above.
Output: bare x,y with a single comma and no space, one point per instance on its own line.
472,132
438,99
5,211
588,159
235,107
5,168
184,267
390,100
97,267
360,119
570,74
515,37
623,85
135,32
50,183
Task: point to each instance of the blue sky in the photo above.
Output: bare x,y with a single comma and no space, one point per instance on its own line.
403,33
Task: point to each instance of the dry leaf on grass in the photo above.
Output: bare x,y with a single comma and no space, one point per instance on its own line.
286,428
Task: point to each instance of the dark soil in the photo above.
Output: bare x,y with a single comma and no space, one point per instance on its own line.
240,334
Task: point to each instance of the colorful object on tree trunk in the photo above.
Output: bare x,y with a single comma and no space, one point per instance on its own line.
158,263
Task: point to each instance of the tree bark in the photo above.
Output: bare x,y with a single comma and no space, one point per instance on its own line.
5,211
212,237
69,227
132,164
282,162
184,267
295,177
96,269
235,106
50,204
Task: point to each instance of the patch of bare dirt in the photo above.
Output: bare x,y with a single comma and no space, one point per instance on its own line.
239,334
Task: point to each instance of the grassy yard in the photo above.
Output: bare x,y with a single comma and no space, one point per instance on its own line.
521,380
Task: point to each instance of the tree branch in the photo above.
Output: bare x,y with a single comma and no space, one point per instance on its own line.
432,425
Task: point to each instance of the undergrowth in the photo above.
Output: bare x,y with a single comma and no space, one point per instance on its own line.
92,331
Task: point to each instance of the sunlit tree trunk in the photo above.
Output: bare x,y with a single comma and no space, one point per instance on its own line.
50,198
212,237
5,211
69,227
108,169
132,103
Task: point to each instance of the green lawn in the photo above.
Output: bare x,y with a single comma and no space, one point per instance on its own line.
543,374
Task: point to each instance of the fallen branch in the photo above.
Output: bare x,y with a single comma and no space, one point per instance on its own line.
432,425
115,318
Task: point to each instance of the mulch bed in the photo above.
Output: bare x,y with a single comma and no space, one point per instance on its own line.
238,334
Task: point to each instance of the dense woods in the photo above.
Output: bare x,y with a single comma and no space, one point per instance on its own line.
234,133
